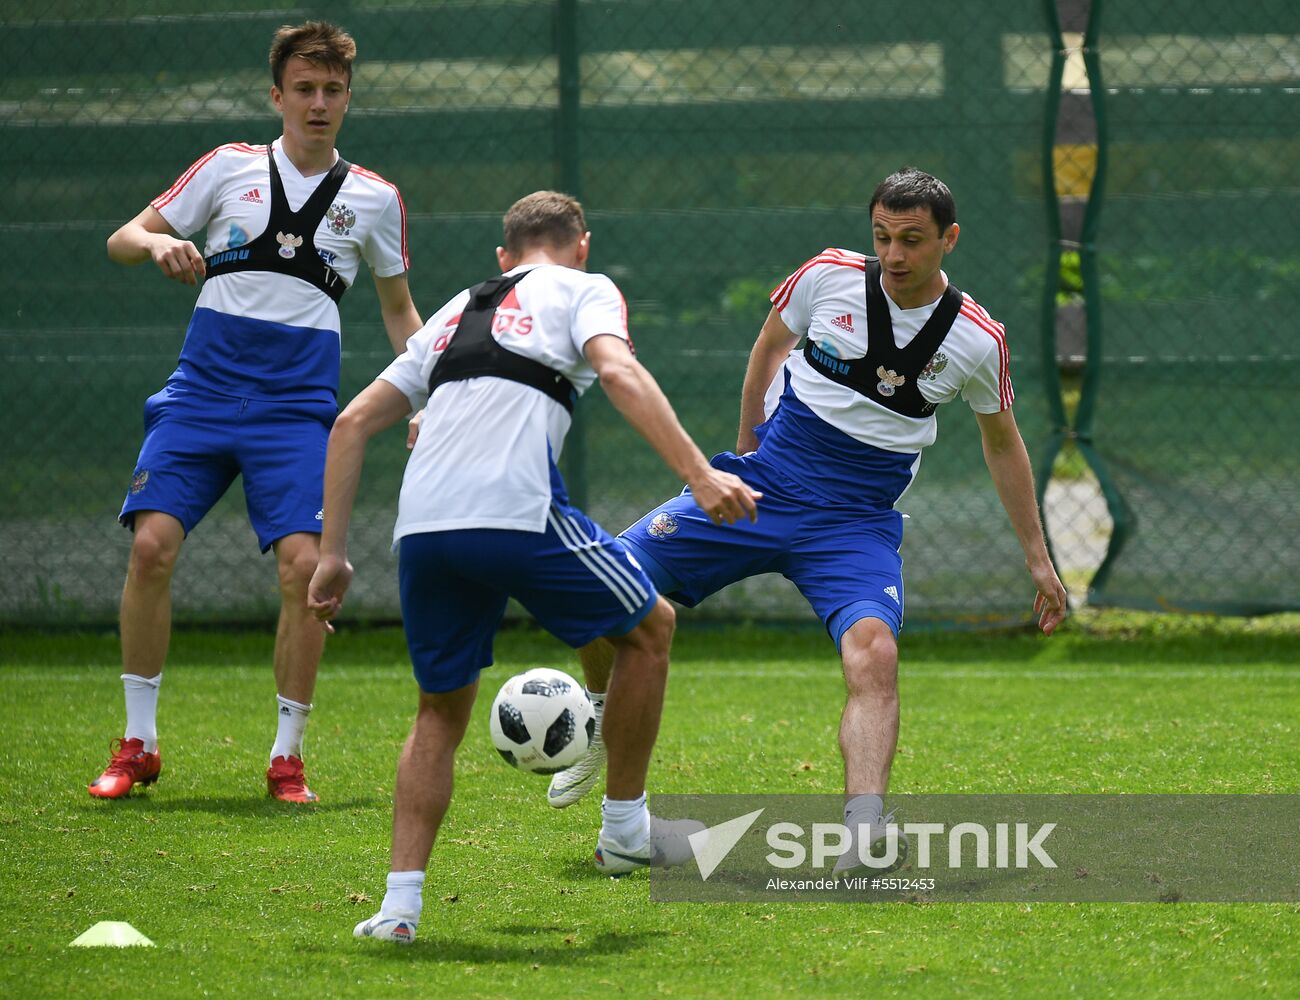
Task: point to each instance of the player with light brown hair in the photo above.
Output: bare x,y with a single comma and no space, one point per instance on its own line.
483,516
287,226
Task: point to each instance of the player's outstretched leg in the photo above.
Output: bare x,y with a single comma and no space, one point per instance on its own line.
420,800
573,783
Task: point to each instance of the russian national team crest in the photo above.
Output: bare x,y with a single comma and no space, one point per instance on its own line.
890,380
341,219
138,481
663,525
289,244
934,366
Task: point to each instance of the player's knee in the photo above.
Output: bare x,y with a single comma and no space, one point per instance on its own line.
870,656
296,571
654,635
153,555
445,716
661,622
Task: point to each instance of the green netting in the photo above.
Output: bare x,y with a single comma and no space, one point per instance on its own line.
717,146
1195,389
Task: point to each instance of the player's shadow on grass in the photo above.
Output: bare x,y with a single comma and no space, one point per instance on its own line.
547,951
243,805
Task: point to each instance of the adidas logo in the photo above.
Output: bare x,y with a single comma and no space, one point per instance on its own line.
255,196
892,592
844,322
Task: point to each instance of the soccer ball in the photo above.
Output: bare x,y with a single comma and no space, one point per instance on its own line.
542,721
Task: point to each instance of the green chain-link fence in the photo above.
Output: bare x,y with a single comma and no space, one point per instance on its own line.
716,145
1191,400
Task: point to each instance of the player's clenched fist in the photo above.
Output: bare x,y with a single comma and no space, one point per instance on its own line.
179,260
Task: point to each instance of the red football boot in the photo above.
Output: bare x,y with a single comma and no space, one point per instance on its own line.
285,781
129,766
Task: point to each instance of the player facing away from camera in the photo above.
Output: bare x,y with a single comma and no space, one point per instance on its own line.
254,394
832,434
483,516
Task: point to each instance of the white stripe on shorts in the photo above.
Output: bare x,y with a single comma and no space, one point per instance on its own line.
603,565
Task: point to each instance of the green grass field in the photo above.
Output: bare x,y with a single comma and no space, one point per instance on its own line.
244,896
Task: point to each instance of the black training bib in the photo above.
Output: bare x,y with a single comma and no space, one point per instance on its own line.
287,245
887,374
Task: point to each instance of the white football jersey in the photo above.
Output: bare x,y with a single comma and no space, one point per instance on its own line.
825,300
228,192
487,446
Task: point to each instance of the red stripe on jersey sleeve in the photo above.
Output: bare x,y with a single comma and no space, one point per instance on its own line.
781,295
831,255
972,311
170,194
401,207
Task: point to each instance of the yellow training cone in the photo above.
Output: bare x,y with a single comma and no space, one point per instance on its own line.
112,934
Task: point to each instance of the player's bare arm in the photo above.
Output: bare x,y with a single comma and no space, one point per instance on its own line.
1008,463
770,350
401,319
401,322
637,396
149,237
376,408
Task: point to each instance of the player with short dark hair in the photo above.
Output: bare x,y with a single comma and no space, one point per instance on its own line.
483,516
287,227
832,434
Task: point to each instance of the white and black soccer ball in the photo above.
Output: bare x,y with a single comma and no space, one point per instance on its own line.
542,721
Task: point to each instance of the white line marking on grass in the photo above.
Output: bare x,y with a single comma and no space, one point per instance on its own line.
52,674
683,672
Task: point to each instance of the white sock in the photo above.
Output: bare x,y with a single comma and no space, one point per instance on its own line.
142,709
288,734
405,895
863,809
626,820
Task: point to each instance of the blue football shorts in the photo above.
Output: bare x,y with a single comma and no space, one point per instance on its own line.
196,443
574,578
844,560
